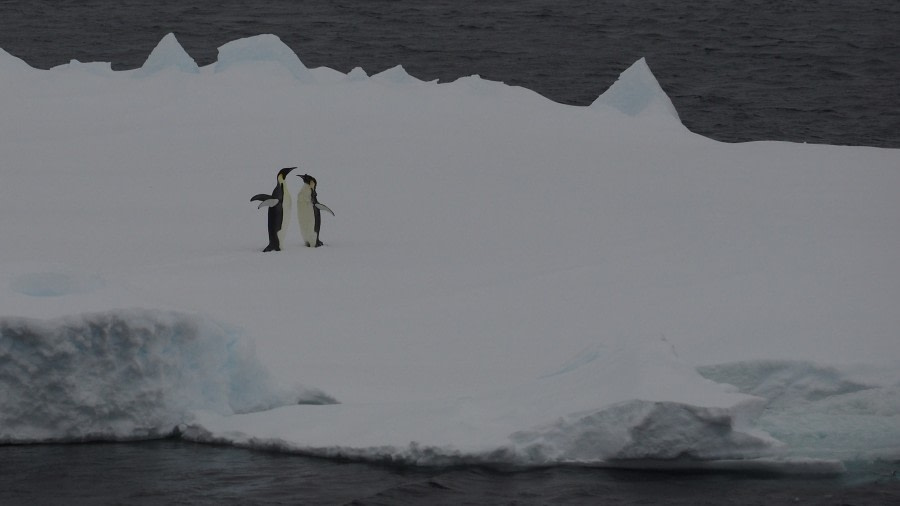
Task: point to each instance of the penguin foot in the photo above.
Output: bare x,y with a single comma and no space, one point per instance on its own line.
271,248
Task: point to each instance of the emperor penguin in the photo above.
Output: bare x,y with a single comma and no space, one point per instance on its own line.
279,204
309,214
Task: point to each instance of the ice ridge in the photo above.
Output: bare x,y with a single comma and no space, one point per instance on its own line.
125,374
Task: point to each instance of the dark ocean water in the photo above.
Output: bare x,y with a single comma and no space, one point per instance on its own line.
822,71
172,472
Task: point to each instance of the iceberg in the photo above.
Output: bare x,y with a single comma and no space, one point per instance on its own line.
510,281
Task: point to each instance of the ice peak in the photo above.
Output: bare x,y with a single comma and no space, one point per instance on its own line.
396,74
637,91
357,74
266,47
168,54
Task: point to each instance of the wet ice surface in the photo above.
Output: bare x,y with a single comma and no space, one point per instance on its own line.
54,283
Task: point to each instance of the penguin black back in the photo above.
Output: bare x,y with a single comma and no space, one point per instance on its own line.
278,218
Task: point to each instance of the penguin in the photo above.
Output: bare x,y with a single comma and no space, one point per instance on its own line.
279,204
309,214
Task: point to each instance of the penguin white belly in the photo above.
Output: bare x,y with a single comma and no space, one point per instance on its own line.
286,215
306,217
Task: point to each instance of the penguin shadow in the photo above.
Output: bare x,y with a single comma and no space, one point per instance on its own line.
279,203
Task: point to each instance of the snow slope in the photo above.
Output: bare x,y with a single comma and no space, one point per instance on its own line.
506,280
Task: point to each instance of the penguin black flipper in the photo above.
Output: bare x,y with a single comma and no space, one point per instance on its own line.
266,200
324,207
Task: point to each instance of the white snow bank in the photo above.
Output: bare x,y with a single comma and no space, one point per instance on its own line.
604,405
167,54
127,374
636,91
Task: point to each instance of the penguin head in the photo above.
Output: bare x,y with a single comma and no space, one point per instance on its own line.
311,181
284,172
